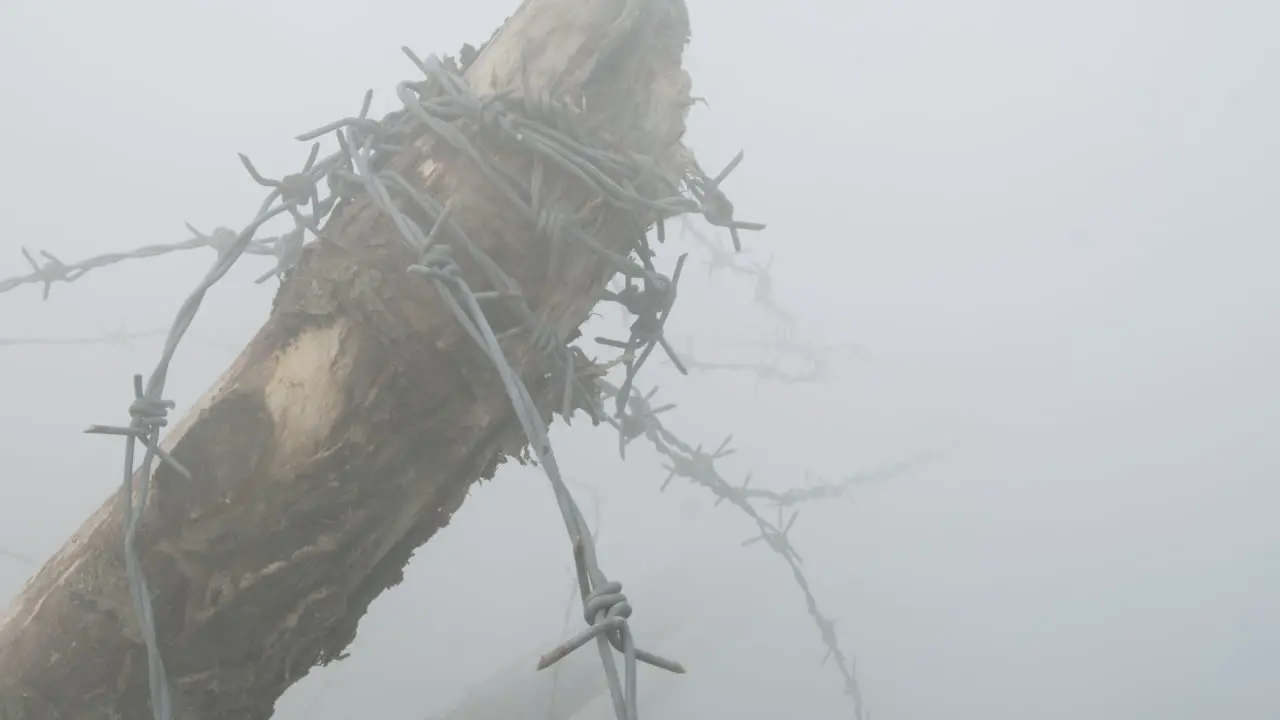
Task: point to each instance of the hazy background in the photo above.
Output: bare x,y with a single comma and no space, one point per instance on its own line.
1052,226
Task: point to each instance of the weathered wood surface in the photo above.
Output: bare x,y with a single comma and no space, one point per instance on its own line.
350,428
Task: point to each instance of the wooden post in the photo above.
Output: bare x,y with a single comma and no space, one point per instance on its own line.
353,424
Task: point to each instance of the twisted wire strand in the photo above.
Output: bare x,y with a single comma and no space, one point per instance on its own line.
548,132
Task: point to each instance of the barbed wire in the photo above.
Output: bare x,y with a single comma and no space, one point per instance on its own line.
148,414
722,260
818,370
616,177
573,591
818,489
816,359
52,269
548,132
432,107
698,466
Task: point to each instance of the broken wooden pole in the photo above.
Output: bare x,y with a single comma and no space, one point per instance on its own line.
353,424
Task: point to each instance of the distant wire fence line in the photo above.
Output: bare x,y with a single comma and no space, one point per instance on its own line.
122,338
117,338
548,131
9,555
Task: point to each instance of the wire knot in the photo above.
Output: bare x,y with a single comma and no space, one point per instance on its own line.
150,414
607,608
716,207
437,262
52,270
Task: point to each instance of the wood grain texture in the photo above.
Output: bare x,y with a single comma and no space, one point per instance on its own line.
353,424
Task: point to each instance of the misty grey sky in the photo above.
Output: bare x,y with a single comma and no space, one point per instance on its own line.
1049,224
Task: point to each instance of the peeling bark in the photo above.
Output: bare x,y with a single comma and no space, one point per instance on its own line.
353,424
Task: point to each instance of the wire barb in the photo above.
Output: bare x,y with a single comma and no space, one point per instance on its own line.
551,135
699,467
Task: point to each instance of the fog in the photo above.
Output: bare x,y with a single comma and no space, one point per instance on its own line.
1048,227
